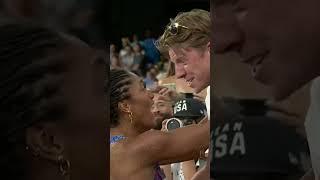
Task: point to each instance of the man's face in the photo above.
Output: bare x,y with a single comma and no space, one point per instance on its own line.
278,38
193,65
161,109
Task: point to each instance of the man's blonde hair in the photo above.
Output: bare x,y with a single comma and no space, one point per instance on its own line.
194,31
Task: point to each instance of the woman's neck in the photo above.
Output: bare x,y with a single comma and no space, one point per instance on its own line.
126,130
40,169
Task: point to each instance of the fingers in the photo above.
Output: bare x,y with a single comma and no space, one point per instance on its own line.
156,89
163,91
164,98
204,120
164,128
160,90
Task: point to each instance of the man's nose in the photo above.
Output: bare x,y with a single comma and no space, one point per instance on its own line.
180,71
226,33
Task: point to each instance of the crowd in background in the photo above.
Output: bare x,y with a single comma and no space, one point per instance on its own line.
140,57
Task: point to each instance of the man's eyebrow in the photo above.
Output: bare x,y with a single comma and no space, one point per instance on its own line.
160,101
141,80
179,59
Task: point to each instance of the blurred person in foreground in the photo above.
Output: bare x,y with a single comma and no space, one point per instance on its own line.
133,140
283,52
48,130
186,42
249,144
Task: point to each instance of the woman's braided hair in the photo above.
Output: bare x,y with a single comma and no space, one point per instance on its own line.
32,69
120,81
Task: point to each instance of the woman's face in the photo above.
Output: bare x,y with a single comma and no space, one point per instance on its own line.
114,61
84,129
140,103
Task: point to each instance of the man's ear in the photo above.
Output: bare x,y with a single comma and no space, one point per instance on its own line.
124,107
45,141
209,46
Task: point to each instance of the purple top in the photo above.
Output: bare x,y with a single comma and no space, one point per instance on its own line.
159,175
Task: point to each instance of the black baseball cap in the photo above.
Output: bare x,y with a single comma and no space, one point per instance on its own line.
189,108
257,145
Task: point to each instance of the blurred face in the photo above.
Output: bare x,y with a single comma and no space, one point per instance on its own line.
112,48
124,41
153,72
135,37
193,65
136,48
277,38
166,66
128,49
84,129
161,109
114,61
140,102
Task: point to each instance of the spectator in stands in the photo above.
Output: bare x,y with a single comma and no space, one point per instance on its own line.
125,42
113,49
162,109
151,53
138,58
135,41
150,80
115,62
48,130
127,57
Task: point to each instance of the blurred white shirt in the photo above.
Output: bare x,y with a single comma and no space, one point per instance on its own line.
177,173
208,102
312,126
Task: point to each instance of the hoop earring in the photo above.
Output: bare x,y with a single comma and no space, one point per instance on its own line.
131,117
64,165
35,152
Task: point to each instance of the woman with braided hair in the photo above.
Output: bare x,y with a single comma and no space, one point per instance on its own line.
52,124
136,151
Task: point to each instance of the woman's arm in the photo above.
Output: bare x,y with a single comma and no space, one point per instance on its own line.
173,146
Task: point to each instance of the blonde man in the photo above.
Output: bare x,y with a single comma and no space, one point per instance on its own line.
186,42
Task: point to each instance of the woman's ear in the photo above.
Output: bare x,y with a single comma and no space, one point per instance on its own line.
124,107
44,141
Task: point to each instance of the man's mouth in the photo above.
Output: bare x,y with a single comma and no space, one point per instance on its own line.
256,59
189,81
255,62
